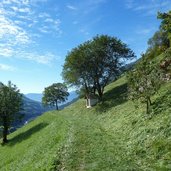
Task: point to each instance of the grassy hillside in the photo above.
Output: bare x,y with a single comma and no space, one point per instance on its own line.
114,135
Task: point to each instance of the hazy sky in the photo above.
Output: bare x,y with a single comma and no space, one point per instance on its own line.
35,35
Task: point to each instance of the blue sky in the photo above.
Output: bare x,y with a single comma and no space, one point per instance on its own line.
36,35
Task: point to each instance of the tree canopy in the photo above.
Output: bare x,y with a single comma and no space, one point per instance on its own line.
158,43
94,63
10,105
166,23
54,94
161,40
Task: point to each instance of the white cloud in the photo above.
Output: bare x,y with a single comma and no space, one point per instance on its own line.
25,2
38,1
49,20
6,51
71,7
15,2
148,7
84,31
43,15
145,31
22,10
9,1
10,30
85,7
44,29
46,58
4,67
129,4
51,26
90,6
26,18
21,26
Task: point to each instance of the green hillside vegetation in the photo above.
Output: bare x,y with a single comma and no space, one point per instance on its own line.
31,109
116,134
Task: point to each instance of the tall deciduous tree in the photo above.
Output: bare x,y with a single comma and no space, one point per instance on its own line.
143,82
95,63
55,94
10,105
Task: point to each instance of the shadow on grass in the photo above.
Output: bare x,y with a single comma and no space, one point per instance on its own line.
24,135
112,98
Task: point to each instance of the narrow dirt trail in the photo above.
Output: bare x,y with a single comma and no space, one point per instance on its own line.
89,146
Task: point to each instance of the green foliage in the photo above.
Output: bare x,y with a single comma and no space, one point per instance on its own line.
157,44
144,81
166,23
81,92
161,40
167,59
95,63
10,105
54,94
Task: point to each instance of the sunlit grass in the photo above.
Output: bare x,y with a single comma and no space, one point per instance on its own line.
113,135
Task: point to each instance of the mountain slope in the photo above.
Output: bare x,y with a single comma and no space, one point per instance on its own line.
113,135
31,109
35,96
38,96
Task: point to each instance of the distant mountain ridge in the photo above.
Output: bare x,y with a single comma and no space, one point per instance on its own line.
38,97
35,96
33,108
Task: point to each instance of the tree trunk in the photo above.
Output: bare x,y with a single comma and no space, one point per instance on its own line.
56,105
86,89
150,101
94,89
148,104
99,90
100,93
5,130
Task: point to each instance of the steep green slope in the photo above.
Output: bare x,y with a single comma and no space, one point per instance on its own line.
114,135
33,146
117,136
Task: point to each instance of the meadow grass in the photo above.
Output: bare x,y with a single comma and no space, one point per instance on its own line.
115,135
